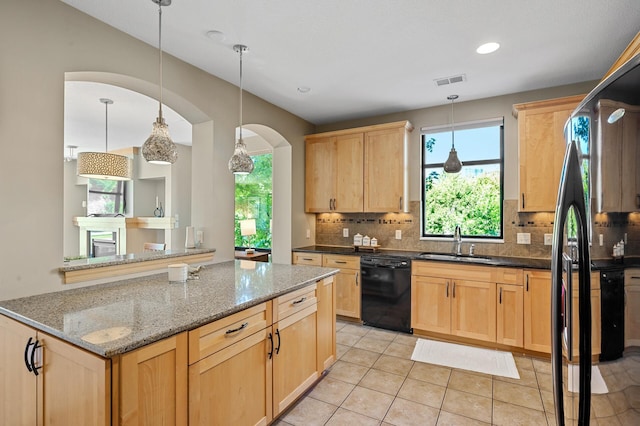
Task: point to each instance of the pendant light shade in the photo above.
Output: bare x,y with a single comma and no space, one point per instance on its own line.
104,165
453,164
240,162
159,148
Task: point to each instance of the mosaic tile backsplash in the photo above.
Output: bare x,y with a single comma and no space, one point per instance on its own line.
383,226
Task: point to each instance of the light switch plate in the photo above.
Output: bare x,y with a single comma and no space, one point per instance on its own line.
345,232
308,233
398,234
524,238
601,239
548,239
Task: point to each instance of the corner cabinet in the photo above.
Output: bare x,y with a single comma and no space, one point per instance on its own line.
541,148
358,170
45,381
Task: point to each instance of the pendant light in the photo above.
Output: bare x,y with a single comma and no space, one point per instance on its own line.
453,164
159,148
103,165
240,162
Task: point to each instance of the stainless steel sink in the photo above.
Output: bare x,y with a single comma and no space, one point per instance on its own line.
457,258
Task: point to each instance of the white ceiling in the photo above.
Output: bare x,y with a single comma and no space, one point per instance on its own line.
368,57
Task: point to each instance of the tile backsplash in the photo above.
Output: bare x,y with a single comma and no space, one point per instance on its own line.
383,226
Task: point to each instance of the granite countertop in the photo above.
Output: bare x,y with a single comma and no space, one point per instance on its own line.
114,318
99,262
512,262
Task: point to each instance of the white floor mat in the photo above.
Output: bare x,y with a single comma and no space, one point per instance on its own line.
597,382
488,361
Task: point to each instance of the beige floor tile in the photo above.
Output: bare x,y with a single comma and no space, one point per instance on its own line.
523,396
545,382
422,392
340,325
542,365
472,383
548,402
392,364
409,413
523,362
341,350
357,329
347,372
527,378
512,415
309,412
361,357
430,373
385,335
551,419
281,423
633,396
467,405
399,350
602,406
629,418
347,339
608,421
450,419
618,401
372,344
332,390
368,402
344,417
382,381
406,339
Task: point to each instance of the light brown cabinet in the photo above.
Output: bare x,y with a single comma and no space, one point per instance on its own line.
358,170
632,308
71,386
459,300
326,293
510,314
615,173
541,148
153,383
348,292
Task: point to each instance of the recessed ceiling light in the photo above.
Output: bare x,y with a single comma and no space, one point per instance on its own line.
216,35
304,89
488,48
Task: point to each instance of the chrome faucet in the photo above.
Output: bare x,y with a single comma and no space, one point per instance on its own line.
457,241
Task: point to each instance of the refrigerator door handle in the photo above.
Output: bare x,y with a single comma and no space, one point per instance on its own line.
567,335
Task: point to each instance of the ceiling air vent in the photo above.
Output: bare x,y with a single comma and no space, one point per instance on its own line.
450,80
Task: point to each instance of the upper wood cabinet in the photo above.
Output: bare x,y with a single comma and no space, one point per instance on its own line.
632,50
615,159
541,148
358,170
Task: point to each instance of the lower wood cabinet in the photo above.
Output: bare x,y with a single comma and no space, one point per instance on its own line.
71,387
510,314
632,308
153,383
348,291
326,292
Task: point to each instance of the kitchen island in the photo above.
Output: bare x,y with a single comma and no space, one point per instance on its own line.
130,345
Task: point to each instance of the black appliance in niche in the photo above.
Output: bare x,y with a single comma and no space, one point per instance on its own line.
612,313
386,292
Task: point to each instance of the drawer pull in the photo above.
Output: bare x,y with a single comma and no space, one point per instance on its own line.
297,302
235,330
342,262
307,259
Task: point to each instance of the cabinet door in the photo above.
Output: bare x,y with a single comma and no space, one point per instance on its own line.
537,311
473,310
76,385
630,188
608,156
326,323
349,173
320,170
509,315
430,304
541,146
295,366
233,386
17,385
153,383
632,315
384,170
348,293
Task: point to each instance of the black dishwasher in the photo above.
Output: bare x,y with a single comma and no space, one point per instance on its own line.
612,313
386,292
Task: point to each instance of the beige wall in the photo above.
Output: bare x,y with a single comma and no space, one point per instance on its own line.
45,39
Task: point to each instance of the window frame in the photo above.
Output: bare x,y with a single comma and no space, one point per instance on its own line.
491,122
120,197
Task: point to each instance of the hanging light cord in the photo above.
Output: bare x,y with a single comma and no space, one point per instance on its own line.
160,48
106,127
241,50
453,137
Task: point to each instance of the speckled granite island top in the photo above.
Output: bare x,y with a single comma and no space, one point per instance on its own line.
111,319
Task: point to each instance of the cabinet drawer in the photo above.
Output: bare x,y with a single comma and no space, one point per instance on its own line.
313,259
341,261
452,270
293,302
631,277
211,338
509,276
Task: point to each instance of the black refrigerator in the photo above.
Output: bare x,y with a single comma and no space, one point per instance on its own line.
602,163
